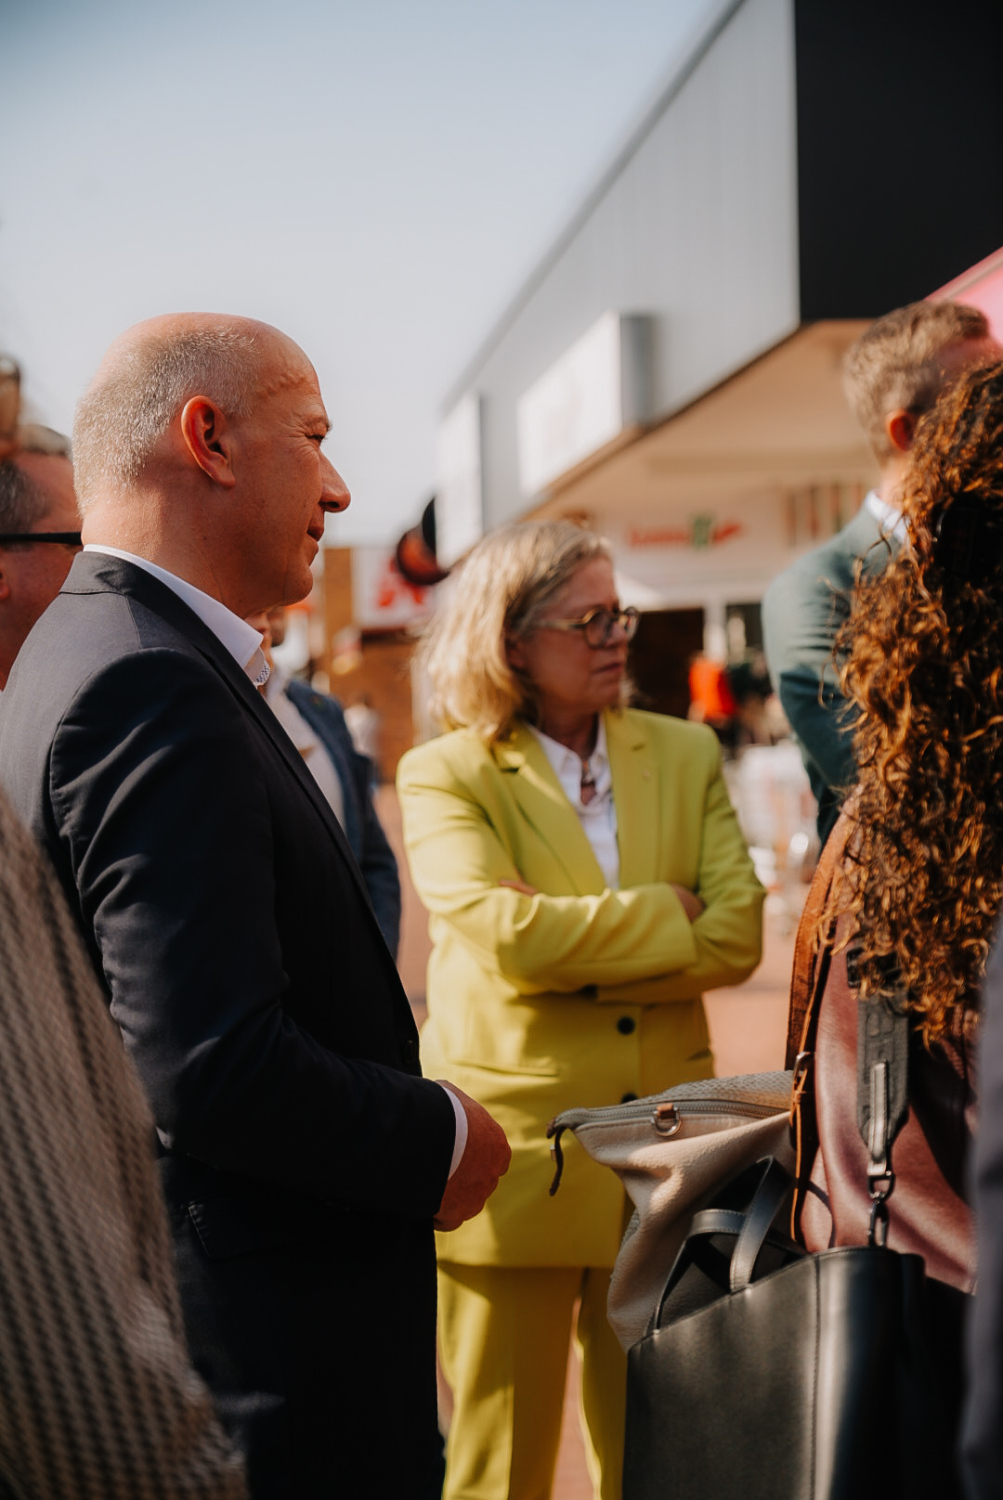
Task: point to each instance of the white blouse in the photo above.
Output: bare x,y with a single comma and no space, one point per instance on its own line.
598,817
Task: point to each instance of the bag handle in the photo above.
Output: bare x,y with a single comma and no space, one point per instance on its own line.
750,1228
766,1203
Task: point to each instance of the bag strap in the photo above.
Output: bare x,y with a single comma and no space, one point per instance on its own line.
882,1096
882,1049
809,954
812,958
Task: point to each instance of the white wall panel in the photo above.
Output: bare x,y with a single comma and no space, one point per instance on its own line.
698,227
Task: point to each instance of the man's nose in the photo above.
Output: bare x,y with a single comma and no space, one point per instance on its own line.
336,495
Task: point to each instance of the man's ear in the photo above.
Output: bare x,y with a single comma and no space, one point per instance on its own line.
900,429
208,437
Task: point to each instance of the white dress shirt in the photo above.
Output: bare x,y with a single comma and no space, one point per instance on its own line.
891,521
598,817
244,644
307,741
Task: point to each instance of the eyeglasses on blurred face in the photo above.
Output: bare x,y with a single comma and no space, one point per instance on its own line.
598,625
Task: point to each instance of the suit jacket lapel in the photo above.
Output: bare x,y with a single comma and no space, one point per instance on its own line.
542,802
114,575
636,797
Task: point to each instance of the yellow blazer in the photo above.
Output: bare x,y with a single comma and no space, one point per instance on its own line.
580,995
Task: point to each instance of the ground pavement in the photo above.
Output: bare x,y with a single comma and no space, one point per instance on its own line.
748,1027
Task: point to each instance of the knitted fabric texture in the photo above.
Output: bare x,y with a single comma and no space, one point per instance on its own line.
97,1397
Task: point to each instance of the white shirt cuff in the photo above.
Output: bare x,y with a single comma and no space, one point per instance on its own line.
460,1143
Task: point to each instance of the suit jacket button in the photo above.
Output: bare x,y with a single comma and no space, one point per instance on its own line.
409,1051
626,1025
627,1098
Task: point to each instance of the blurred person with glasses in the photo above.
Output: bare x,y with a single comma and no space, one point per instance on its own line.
39,529
586,881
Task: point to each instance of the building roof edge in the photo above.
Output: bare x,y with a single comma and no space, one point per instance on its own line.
704,36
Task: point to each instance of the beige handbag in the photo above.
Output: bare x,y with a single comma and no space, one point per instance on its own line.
672,1152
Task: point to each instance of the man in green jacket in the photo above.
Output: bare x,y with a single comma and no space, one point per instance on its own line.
892,375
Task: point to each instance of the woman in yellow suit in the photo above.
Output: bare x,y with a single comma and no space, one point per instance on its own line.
586,881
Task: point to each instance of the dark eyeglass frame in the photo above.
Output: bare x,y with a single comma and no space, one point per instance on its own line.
64,538
627,619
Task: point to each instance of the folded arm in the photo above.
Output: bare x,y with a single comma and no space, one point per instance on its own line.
543,943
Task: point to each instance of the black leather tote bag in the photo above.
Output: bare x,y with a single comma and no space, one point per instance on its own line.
772,1374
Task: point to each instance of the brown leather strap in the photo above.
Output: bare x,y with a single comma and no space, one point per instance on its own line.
812,955
804,976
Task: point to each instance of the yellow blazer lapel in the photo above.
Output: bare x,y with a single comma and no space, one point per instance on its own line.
542,802
637,797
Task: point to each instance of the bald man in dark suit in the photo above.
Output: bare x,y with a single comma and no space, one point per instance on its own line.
303,1156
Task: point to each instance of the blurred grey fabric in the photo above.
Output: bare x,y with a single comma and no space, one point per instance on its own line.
97,1397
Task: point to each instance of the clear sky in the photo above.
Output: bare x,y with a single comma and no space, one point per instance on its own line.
376,177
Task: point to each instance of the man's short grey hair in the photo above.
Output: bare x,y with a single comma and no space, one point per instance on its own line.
126,412
22,502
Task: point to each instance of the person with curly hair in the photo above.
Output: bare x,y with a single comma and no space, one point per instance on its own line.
916,895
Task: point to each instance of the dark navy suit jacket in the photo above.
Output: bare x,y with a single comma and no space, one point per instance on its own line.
363,829
302,1154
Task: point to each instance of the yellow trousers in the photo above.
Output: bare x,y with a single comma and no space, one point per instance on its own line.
504,1335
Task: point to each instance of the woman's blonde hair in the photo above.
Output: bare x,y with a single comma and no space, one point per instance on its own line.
496,596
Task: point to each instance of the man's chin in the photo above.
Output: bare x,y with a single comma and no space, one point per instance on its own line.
296,589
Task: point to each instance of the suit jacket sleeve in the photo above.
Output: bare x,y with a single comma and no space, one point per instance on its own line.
564,943
166,821
727,936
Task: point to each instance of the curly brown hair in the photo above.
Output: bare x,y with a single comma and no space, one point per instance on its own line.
923,661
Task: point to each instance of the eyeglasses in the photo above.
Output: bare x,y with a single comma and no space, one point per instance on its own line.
63,538
598,625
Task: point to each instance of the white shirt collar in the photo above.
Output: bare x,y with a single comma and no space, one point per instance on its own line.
241,640
891,521
278,680
566,762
